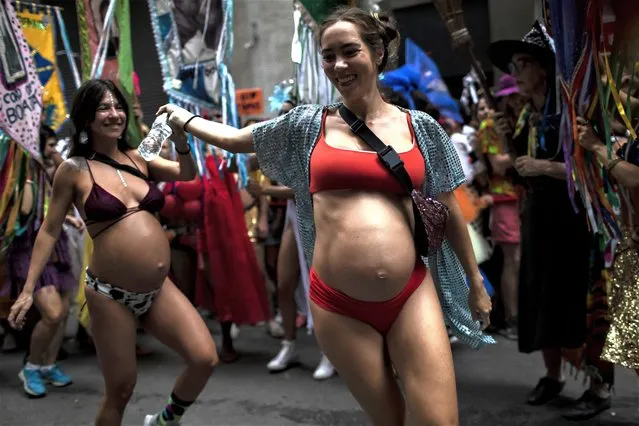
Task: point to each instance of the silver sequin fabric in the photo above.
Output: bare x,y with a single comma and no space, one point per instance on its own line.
284,145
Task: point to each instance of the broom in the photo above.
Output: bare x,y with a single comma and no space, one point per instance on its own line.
453,16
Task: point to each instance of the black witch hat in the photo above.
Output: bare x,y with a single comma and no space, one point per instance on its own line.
536,43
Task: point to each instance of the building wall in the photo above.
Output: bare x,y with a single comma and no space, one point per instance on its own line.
268,61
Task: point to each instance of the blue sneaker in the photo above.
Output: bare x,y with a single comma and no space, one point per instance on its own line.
56,377
33,383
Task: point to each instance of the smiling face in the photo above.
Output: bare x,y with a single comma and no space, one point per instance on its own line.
110,118
348,62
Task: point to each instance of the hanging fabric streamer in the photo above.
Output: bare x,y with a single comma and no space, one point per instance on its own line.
39,33
20,88
577,32
77,81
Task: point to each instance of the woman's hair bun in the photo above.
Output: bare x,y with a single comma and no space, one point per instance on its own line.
390,36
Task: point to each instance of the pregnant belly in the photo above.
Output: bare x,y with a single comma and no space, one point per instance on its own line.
364,246
134,254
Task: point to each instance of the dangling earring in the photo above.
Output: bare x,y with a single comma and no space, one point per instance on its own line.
84,137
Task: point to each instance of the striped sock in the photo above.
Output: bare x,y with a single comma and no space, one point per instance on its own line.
173,411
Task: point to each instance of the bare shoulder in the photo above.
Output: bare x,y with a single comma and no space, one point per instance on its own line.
136,157
140,162
73,165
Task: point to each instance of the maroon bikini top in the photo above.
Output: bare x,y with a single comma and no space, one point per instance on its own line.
101,206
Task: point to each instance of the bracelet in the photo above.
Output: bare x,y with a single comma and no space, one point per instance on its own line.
188,150
613,163
189,120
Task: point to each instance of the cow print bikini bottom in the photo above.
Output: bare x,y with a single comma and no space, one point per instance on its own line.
139,303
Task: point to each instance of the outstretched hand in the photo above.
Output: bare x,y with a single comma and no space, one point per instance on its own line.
176,116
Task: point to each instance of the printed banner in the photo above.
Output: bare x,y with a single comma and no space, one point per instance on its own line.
39,33
20,89
191,39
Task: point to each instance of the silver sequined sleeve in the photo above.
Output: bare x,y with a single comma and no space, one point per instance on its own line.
447,170
279,151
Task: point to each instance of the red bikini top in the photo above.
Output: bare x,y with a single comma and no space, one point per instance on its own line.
339,168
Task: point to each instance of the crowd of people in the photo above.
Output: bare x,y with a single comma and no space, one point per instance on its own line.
168,247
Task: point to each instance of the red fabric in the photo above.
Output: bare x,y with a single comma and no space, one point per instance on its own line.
172,207
183,201
236,290
189,191
339,168
379,315
192,211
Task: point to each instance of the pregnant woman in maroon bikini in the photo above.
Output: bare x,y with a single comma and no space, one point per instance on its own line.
127,277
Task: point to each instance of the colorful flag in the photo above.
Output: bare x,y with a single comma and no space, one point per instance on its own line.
20,89
39,33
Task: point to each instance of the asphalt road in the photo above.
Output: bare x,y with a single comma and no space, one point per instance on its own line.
492,385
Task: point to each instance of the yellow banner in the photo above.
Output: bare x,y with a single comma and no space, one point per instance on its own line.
40,36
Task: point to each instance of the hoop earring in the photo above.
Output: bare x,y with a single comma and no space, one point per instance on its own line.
84,137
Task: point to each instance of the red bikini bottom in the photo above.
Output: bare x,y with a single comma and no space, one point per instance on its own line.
379,315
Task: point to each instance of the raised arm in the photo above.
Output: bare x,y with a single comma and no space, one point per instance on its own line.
163,170
61,200
220,135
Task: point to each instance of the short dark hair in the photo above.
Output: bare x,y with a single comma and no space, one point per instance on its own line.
85,104
378,31
46,133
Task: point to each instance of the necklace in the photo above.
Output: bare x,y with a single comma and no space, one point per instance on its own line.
121,178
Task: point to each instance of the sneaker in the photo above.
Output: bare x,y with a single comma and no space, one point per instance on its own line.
33,383
56,377
235,331
152,420
284,358
588,406
275,329
324,370
510,333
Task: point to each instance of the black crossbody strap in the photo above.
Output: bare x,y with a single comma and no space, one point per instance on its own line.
386,153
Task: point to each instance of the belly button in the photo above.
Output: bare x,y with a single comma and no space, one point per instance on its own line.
160,265
381,275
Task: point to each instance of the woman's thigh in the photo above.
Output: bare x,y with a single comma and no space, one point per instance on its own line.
174,321
357,352
420,351
113,329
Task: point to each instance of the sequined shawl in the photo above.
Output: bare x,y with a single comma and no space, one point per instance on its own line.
284,145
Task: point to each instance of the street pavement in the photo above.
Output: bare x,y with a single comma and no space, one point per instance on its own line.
492,386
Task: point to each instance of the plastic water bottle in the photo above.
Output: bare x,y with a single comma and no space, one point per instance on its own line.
151,145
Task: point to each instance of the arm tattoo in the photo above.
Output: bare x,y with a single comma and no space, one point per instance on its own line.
74,164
